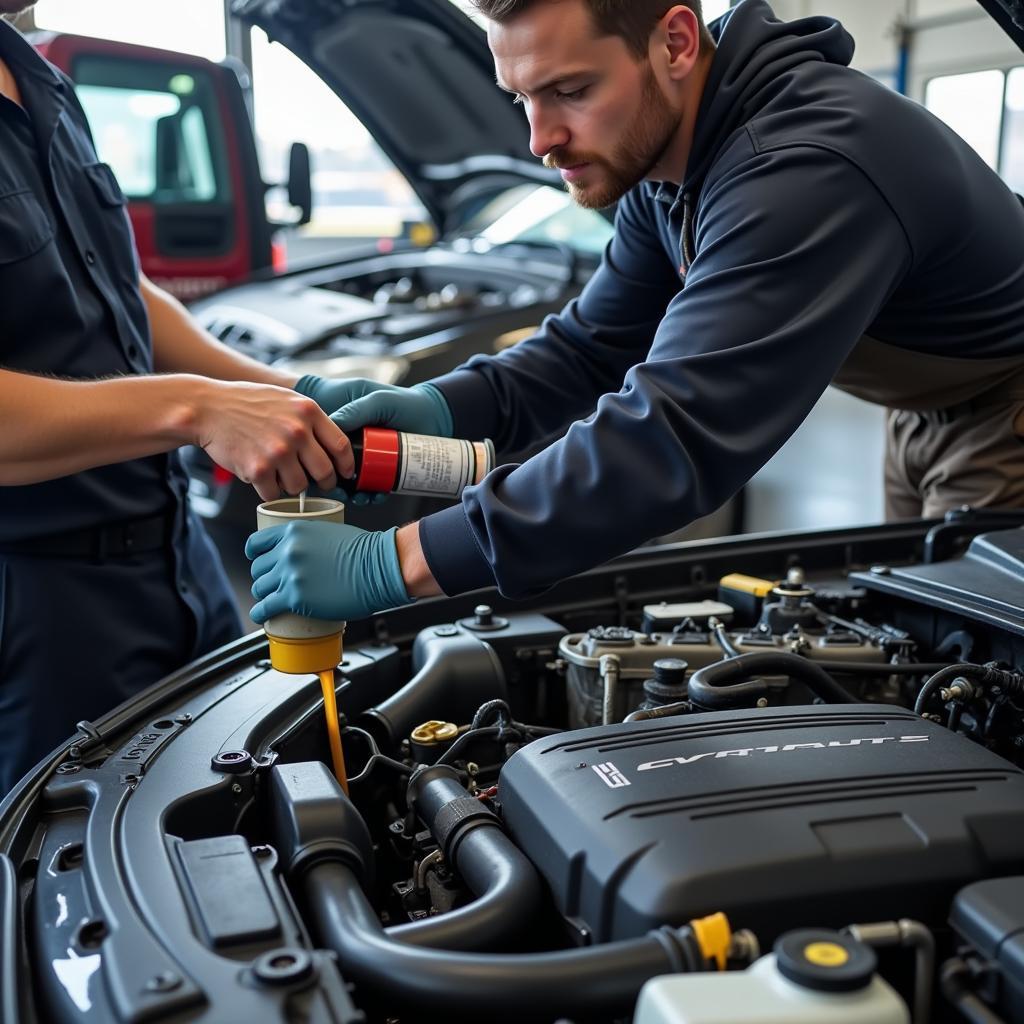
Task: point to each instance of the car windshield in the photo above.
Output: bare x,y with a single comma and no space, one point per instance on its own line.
540,214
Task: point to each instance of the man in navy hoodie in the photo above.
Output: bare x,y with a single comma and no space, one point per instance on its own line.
783,223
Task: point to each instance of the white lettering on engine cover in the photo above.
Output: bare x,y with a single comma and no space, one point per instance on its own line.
668,762
611,776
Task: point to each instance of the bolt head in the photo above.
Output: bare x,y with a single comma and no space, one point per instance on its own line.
166,981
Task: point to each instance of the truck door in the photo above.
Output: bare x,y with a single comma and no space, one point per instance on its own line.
176,131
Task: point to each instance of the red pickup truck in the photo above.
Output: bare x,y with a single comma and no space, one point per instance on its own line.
177,132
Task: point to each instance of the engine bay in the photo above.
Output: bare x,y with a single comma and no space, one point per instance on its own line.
768,778
407,303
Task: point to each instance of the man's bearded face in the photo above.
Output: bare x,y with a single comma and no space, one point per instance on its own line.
606,175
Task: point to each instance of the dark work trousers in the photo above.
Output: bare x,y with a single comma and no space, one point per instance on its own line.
79,637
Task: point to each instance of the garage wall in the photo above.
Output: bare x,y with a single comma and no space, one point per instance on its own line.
949,35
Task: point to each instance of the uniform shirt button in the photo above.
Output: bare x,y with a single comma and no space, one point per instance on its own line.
183,587
133,351
90,257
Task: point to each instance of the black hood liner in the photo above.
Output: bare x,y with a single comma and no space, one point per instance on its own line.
1009,16
420,77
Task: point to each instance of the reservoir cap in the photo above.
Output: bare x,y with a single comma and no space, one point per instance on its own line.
825,961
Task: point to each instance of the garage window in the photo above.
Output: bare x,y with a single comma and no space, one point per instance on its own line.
986,109
1012,162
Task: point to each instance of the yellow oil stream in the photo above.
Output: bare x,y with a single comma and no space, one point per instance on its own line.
333,733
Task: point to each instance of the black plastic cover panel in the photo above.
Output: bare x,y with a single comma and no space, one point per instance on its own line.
990,916
759,813
986,583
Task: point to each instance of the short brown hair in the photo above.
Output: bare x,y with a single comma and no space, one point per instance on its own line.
632,20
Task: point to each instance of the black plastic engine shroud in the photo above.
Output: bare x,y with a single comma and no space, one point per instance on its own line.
863,812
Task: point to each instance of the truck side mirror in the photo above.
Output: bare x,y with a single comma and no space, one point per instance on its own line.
300,186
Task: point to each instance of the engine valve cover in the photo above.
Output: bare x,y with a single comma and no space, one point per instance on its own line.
762,814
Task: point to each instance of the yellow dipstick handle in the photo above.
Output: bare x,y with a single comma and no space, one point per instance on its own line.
333,733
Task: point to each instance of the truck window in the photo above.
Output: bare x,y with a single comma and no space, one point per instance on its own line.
358,194
157,127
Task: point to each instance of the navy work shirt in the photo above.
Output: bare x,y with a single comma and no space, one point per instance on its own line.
69,292
818,208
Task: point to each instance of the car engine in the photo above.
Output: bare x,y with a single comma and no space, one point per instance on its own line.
760,779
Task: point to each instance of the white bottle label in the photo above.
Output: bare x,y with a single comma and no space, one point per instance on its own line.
441,467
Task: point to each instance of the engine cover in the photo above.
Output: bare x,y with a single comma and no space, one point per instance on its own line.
862,812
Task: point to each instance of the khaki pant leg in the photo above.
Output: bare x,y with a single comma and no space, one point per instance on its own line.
976,460
902,498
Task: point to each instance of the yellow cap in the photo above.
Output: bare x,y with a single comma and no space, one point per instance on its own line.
435,732
826,954
714,936
746,584
422,234
302,657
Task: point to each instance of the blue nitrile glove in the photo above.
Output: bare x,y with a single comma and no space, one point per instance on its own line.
421,409
324,571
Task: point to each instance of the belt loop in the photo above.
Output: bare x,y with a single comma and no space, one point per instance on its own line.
100,547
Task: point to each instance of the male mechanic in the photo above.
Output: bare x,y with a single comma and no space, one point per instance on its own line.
107,583
783,223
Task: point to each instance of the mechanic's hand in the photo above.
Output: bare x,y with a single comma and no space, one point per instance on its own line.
324,570
421,409
270,437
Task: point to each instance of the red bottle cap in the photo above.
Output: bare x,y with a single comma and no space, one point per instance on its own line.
379,470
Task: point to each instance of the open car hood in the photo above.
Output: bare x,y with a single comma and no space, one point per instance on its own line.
419,75
1009,15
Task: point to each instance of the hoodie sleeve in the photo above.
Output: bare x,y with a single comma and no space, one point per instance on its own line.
796,253
544,383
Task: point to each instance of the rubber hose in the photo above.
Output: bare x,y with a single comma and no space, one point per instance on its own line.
954,988
681,707
508,895
727,684
470,838
493,708
602,979
990,674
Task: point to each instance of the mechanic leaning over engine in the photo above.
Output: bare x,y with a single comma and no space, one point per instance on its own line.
783,223
107,582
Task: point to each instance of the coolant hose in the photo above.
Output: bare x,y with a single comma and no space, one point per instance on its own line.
602,979
728,684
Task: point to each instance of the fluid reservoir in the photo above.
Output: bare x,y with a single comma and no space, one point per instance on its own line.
811,977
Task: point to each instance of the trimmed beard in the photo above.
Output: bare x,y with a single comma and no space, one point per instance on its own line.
636,154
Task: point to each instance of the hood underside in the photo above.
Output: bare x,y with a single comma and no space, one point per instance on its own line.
419,76
1009,16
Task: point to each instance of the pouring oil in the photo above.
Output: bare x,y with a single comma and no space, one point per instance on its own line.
333,733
